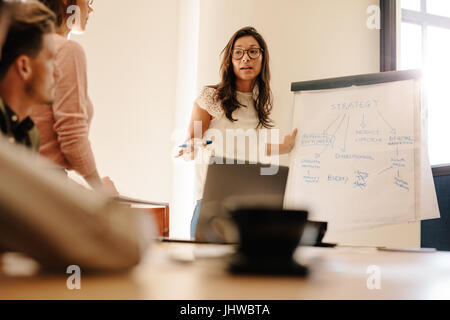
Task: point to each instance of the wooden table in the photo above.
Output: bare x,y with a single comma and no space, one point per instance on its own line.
187,271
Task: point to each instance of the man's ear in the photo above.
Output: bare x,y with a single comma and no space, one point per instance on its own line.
24,67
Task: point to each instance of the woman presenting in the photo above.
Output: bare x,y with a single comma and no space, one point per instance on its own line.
242,100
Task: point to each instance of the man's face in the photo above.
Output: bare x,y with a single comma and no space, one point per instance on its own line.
41,86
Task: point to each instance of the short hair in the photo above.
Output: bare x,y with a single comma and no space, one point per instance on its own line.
30,21
59,9
4,9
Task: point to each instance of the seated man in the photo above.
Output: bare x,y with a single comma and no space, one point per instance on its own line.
27,74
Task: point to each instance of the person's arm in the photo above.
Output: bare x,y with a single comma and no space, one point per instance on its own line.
94,180
59,213
71,113
201,117
285,147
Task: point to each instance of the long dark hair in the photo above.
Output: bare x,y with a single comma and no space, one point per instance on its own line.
59,8
226,89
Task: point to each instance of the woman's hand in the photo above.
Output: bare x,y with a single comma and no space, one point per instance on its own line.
108,187
283,148
189,152
288,143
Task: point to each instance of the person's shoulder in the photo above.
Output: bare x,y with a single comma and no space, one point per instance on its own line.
208,91
69,47
73,46
208,101
209,94
210,88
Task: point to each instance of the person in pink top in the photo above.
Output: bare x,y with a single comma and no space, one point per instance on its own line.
64,128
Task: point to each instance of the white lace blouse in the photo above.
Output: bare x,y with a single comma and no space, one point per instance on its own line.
247,118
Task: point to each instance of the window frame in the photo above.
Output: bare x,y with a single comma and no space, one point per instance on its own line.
425,20
388,35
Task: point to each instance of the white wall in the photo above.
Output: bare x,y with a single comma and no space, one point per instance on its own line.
148,60
182,205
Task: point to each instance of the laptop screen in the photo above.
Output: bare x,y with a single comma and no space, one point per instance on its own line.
229,186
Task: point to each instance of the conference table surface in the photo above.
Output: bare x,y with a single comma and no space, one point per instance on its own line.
186,271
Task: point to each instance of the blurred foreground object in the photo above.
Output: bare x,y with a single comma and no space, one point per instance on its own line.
59,223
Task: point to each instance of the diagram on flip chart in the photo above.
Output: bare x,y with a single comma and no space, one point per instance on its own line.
356,161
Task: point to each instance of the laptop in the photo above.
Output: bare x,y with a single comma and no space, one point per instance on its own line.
231,186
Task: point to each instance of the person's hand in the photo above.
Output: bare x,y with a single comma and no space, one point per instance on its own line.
187,153
289,142
190,151
108,187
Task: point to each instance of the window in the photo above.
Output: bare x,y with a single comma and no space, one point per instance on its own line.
425,44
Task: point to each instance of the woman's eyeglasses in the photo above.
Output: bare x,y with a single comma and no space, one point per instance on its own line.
253,53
